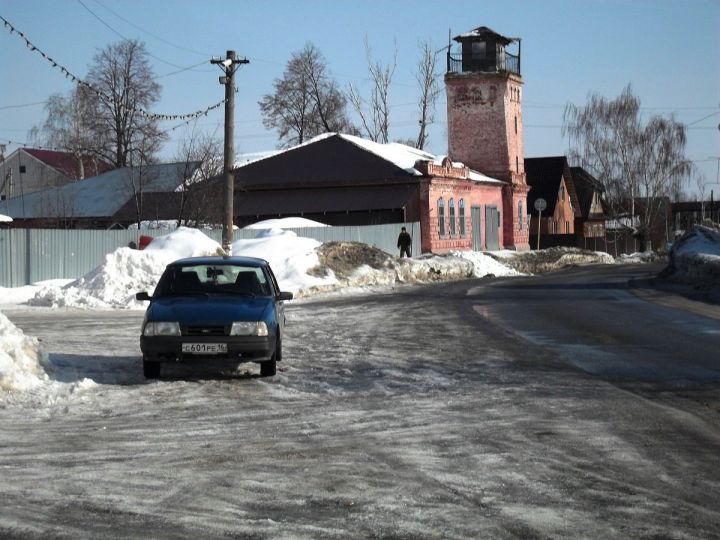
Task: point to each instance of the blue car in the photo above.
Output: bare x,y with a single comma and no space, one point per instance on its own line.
214,309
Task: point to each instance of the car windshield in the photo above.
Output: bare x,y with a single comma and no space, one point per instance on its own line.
213,279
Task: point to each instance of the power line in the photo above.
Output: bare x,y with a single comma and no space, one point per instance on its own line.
99,93
23,105
180,47
181,68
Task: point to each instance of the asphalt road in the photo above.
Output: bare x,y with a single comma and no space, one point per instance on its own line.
564,405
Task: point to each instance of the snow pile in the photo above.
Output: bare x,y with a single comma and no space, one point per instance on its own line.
185,242
485,265
695,257
5,219
547,260
642,257
20,359
290,258
285,223
126,271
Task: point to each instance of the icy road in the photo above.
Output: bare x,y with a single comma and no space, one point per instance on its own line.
510,408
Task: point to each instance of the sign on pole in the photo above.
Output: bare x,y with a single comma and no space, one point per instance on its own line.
540,205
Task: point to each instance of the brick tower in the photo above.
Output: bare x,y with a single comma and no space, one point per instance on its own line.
484,91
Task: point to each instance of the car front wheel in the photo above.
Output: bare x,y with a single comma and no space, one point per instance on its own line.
269,367
151,369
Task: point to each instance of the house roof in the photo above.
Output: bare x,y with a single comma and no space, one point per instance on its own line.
100,196
586,185
337,159
543,175
65,163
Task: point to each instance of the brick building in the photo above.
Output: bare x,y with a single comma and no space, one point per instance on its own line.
484,111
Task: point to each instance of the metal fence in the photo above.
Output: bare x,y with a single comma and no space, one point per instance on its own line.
31,255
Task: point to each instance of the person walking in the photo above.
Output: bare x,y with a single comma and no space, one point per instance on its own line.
404,242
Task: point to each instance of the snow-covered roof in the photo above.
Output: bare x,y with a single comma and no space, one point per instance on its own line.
102,195
402,156
5,219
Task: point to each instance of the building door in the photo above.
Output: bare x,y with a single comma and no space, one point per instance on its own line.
476,218
492,226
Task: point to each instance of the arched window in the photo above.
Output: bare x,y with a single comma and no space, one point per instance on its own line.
520,214
461,204
441,217
452,217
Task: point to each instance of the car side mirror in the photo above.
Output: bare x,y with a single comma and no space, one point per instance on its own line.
285,296
143,296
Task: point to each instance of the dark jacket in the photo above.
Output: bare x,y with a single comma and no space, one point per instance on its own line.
404,240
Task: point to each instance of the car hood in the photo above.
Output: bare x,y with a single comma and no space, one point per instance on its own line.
202,309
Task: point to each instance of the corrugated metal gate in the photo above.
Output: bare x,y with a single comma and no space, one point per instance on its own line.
31,255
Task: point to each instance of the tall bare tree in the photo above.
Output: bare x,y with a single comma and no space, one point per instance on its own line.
306,101
374,111
106,120
427,79
202,159
68,127
635,160
124,77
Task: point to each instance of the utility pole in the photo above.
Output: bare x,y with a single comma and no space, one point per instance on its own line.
229,66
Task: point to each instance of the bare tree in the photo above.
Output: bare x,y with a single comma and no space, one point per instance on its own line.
68,127
107,119
306,101
427,78
374,112
635,161
202,159
122,74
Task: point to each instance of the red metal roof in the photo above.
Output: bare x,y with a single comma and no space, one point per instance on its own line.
66,163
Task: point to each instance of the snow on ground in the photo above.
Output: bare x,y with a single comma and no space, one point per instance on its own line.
640,257
547,260
695,261
290,258
20,359
285,223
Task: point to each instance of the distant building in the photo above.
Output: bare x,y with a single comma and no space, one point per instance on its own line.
27,170
116,198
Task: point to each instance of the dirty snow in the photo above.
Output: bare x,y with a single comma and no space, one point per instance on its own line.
20,359
695,261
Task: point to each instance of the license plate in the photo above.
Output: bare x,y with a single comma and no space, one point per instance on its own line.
204,348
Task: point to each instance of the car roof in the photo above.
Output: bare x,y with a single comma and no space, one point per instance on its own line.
217,261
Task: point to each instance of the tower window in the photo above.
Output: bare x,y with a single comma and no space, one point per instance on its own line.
517,164
516,124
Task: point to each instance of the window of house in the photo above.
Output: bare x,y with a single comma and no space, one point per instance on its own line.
461,205
452,217
562,192
567,227
520,215
441,217
22,169
554,227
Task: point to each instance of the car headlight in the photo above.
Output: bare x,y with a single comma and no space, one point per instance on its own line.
255,328
162,329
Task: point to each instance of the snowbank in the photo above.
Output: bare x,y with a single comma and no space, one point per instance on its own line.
695,259
20,359
547,260
290,258
126,271
285,223
302,266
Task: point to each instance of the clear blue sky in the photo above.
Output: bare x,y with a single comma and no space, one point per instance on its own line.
669,50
